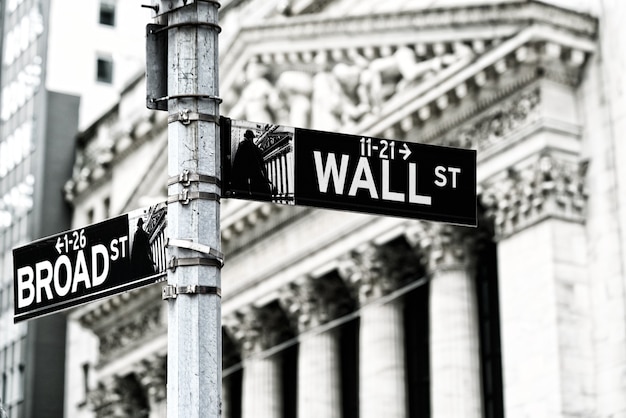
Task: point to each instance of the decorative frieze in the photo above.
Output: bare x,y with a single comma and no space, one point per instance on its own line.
119,397
130,331
152,374
493,127
547,187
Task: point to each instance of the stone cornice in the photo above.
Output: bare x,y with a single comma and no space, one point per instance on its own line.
488,17
478,23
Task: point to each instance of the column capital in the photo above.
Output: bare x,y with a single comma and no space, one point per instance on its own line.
255,329
152,374
546,187
372,271
114,397
443,246
311,302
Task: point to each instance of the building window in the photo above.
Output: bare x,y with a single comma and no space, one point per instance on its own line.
107,12
104,70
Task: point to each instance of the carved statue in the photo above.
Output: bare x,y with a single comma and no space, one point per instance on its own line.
387,75
294,91
259,98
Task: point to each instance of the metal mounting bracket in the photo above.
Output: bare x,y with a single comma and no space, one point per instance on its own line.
195,246
187,177
186,196
185,117
172,292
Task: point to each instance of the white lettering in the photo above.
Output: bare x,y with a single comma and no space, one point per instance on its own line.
413,196
441,179
114,250
454,171
80,274
359,182
387,194
99,250
330,169
25,277
62,261
43,280
123,241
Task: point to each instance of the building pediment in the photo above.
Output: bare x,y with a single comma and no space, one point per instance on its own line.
388,72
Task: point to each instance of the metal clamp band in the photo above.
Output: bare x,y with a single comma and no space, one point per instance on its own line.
195,261
185,117
213,26
186,196
195,246
186,178
187,96
172,292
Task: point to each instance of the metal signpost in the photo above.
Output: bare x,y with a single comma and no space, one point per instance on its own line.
86,264
194,366
350,172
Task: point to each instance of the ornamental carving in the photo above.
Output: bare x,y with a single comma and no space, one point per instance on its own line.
119,397
254,329
545,188
152,374
129,332
310,302
498,123
337,88
443,246
374,271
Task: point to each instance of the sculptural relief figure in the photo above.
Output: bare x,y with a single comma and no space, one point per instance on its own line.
325,100
354,98
294,92
258,98
387,75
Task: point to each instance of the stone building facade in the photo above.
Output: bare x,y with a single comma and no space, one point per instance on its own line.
337,314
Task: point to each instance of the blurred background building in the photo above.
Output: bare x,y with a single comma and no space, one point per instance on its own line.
337,314
63,64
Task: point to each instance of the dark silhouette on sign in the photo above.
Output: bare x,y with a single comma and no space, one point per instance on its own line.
141,255
249,176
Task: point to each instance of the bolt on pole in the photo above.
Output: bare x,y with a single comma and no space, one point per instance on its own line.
194,363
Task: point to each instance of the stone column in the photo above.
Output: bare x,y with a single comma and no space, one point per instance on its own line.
310,303
547,354
382,374
454,329
255,330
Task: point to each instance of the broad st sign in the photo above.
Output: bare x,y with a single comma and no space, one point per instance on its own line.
347,172
89,263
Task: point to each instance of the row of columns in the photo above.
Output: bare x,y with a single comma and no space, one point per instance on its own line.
541,254
366,273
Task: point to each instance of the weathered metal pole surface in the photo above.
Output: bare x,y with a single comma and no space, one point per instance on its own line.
194,363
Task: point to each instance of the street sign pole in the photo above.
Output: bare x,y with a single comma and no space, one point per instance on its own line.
194,363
